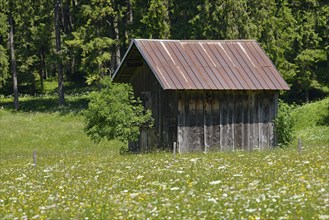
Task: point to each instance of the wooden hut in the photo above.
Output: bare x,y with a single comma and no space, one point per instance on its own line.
205,95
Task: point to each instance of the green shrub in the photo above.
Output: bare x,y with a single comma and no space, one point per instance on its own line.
114,113
284,124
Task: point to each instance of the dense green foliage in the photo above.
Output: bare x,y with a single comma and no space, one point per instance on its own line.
283,124
312,122
94,35
114,113
76,178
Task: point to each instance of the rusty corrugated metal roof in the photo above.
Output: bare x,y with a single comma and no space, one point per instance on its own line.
207,64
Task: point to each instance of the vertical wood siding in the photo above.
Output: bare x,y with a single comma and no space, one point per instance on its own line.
204,120
163,105
226,120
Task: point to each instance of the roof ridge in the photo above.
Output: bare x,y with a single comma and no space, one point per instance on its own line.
196,40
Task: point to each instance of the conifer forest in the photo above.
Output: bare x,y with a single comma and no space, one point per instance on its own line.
78,42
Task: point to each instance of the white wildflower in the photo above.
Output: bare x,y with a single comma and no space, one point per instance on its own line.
139,177
215,182
323,217
174,188
250,210
212,200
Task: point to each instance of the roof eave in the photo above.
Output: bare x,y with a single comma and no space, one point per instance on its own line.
285,85
149,64
122,61
135,42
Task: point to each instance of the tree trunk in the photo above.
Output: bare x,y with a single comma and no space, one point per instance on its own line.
117,46
328,64
307,95
13,60
42,70
128,21
130,11
327,39
58,49
67,17
117,56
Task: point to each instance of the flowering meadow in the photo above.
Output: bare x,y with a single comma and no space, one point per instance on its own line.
276,184
75,178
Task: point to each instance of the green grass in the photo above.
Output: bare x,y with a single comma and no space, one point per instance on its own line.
312,123
50,86
48,103
47,133
77,179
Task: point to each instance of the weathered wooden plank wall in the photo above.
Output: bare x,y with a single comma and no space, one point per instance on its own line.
164,110
146,87
204,120
225,120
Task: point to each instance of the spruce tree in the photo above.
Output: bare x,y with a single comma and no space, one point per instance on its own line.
4,58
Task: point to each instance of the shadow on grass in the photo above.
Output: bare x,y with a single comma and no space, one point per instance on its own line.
48,104
324,120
